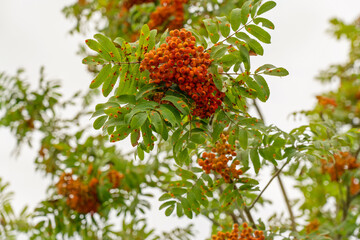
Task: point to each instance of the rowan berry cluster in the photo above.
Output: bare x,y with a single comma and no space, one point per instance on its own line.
247,233
312,226
180,62
115,178
217,160
325,101
129,3
168,9
81,197
337,165
354,186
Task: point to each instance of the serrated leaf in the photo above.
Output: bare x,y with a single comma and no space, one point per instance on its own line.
235,19
165,196
179,210
99,122
168,115
134,137
93,60
186,207
94,45
245,11
140,153
224,26
138,120
212,29
110,81
281,72
264,87
265,22
109,46
178,103
101,77
259,33
243,138
254,156
266,7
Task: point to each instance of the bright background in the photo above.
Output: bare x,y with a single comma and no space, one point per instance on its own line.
34,33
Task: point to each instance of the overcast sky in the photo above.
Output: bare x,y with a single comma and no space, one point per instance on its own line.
34,33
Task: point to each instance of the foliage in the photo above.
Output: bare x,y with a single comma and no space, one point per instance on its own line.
181,96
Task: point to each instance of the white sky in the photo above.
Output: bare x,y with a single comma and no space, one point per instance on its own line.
34,33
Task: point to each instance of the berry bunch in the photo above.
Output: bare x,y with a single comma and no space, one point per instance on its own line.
354,186
167,10
325,101
313,226
246,233
218,160
115,178
81,197
129,3
180,62
339,164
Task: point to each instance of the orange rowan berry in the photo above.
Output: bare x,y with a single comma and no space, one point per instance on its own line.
188,72
337,166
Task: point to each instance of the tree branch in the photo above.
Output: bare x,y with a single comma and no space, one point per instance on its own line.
267,185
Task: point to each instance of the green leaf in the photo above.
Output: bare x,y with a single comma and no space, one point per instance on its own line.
212,29
101,77
169,210
281,72
243,138
99,122
244,54
165,196
245,11
179,210
186,207
140,153
228,60
178,191
138,120
134,137
156,121
110,81
252,43
165,204
178,103
168,115
224,26
235,18
93,60
266,7
265,22
94,45
109,46
264,87
254,156
263,67
259,33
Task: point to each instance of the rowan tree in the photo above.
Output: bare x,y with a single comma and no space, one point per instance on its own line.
176,79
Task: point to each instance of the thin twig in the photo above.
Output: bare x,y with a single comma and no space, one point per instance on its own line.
267,185
292,218
258,110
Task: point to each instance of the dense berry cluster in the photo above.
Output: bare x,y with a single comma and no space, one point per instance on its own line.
325,101
247,233
313,226
180,62
354,186
81,197
115,178
164,13
337,165
218,160
129,3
